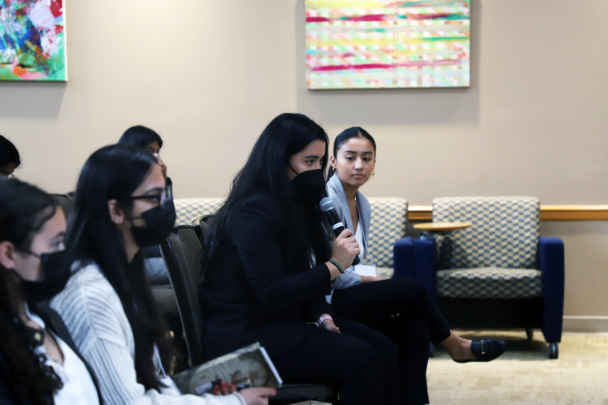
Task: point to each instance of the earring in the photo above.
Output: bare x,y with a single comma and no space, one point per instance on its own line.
373,173
335,169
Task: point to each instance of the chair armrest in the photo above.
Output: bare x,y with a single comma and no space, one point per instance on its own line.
552,265
425,264
403,258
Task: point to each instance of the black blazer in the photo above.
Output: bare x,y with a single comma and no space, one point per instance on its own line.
255,293
52,321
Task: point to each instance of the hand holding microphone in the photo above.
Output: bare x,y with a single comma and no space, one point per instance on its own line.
345,250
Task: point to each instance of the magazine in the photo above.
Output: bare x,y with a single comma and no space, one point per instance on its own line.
245,368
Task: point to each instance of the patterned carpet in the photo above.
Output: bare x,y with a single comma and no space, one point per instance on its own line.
524,374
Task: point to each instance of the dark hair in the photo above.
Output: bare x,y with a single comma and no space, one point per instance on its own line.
8,153
24,209
266,171
140,136
115,172
344,136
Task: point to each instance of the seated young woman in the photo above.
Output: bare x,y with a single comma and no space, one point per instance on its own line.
121,206
39,363
400,308
269,264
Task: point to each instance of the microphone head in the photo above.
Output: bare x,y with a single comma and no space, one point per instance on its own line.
326,204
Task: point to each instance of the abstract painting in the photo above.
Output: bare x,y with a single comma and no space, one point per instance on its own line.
362,44
32,40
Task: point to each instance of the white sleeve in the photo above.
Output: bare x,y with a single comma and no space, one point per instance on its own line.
97,323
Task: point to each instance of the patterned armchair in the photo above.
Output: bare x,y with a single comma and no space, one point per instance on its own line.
388,224
189,210
499,273
387,227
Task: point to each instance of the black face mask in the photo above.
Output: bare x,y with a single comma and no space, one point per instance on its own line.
310,184
55,277
160,222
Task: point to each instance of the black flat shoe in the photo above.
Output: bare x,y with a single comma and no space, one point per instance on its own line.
486,350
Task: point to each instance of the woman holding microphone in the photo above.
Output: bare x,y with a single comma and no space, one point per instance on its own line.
269,264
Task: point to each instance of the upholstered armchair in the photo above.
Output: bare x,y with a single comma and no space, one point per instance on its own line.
189,210
389,216
499,273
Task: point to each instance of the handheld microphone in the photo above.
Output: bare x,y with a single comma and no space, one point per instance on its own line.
327,207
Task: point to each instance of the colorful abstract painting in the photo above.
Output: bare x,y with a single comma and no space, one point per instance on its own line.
32,40
362,44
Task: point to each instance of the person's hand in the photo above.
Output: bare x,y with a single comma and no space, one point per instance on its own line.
345,249
368,279
330,326
257,396
223,389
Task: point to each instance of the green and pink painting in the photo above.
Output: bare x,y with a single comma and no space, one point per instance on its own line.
362,44
32,40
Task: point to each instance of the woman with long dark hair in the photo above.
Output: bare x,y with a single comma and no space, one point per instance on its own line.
122,204
147,139
39,363
399,308
269,264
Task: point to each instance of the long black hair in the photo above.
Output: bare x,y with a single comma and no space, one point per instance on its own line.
266,171
115,172
8,153
140,136
24,209
344,136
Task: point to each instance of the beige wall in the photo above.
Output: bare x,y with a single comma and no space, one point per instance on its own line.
209,75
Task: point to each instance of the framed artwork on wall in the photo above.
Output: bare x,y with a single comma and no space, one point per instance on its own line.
369,44
32,40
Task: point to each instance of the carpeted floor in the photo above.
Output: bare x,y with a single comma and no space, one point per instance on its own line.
524,374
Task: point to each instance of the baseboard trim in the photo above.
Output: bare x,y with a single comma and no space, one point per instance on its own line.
573,323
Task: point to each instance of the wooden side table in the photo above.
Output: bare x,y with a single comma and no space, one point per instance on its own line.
432,229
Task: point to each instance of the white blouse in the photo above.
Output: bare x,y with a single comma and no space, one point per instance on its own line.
359,238
78,387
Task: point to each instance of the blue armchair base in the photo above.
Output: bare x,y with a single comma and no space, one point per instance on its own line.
418,259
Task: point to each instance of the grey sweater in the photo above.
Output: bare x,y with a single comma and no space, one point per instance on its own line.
97,322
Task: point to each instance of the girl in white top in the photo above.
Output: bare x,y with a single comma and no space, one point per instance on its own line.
37,363
123,204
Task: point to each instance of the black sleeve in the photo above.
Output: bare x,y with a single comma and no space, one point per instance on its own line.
317,306
255,231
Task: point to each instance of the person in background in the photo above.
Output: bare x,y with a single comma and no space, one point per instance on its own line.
400,308
269,263
147,139
39,363
9,157
121,206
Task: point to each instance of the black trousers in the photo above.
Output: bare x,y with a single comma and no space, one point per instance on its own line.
418,324
362,361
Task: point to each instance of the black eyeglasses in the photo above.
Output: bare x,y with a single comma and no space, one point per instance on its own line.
165,195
